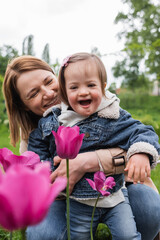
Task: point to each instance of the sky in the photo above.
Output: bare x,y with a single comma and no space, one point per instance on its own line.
68,26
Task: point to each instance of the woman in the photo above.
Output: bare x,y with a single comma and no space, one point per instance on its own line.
30,88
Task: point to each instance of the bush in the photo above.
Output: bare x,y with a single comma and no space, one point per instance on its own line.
103,232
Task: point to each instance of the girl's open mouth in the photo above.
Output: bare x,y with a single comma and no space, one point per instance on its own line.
85,102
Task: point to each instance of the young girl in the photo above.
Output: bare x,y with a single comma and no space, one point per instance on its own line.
82,81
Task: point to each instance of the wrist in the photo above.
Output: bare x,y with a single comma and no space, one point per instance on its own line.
90,162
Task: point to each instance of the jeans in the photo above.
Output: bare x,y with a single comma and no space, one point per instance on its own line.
53,227
119,219
145,203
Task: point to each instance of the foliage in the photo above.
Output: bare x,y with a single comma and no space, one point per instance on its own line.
5,235
7,52
45,54
56,67
3,114
142,43
96,51
5,141
27,46
142,106
155,176
103,232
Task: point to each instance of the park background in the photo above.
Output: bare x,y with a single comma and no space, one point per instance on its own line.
129,31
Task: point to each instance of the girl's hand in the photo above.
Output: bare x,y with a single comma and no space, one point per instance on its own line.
138,167
84,162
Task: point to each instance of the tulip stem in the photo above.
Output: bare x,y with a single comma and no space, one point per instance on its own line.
67,200
91,232
10,235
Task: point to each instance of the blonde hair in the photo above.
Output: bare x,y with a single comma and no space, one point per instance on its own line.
81,57
18,117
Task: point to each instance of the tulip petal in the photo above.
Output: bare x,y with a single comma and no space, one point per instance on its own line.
109,182
26,195
91,183
104,193
100,175
7,220
28,158
68,141
59,184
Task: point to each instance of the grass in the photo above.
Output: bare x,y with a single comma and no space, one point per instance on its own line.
5,140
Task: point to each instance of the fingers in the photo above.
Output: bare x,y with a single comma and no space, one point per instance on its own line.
138,168
60,171
138,174
53,176
148,171
57,160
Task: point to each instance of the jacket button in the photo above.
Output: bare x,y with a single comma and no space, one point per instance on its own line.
87,135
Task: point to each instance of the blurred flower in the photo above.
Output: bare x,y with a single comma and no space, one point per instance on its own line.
68,141
26,195
101,183
28,158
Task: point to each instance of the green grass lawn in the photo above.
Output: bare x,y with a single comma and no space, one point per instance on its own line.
5,140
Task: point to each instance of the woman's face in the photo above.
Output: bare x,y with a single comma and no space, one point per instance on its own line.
38,90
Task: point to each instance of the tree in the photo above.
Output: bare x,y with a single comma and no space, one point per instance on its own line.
142,42
45,54
27,46
7,52
56,66
96,51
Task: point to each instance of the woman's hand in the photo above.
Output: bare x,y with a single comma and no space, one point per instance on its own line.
84,162
138,167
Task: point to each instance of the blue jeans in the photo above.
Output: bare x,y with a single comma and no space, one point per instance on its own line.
53,227
145,204
119,219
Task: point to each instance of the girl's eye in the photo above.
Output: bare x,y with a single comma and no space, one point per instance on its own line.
73,87
91,85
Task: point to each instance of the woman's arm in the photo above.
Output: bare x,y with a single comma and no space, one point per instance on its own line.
90,162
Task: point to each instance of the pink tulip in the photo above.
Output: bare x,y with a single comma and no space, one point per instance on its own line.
101,183
26,195
68,141
28,158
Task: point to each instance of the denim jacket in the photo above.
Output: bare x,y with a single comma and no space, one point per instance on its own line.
100,133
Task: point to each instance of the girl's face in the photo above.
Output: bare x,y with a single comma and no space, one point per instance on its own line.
38,90
83,87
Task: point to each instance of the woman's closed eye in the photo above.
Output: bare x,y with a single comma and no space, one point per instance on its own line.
49,81
34,94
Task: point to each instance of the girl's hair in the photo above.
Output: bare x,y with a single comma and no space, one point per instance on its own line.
81,57
18,117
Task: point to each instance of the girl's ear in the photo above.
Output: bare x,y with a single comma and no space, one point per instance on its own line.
105,84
